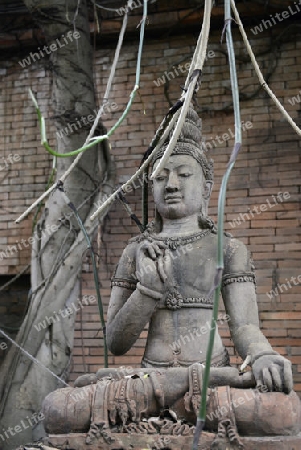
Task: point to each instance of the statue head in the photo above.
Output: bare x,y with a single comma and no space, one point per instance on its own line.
184,186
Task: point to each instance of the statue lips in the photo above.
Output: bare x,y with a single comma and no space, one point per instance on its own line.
173,198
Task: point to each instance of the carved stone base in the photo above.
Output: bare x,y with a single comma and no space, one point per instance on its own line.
76,441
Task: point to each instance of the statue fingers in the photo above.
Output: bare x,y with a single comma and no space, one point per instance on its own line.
162,246
267,378
276,377
167,262
153,250
259,384
161,271
158,250
148,248
287,377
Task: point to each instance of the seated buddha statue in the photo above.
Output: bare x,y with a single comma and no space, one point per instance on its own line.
164,280
165,275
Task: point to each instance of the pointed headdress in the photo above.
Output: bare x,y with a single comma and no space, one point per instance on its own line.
190,143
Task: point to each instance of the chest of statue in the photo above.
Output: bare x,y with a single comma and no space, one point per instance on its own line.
192,262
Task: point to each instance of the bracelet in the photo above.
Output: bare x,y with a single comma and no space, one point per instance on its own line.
265,353
149,292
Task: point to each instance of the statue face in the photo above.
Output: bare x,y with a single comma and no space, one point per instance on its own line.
179,188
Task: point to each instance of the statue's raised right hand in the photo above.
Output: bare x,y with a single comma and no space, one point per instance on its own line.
152,266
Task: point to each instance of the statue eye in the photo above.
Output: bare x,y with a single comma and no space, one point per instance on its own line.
160,178
185,174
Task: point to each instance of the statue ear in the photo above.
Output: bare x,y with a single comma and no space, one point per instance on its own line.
152,185
158,221
208,185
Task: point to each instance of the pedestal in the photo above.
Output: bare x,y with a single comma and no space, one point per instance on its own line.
76,441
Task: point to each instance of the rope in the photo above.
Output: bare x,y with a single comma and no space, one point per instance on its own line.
196,70
221,206
106,95
259,73
33,359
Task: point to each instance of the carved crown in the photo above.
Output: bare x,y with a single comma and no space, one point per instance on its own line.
190,143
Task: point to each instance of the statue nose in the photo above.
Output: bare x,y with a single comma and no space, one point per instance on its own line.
172,182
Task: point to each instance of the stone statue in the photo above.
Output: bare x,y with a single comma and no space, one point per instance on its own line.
163,279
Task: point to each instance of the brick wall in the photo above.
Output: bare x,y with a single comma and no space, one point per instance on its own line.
24,166
269,163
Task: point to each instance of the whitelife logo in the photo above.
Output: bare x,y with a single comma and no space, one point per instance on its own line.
48,50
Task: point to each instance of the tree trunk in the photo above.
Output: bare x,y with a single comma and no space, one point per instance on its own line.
56,256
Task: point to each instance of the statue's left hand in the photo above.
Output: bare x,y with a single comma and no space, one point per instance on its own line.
274,371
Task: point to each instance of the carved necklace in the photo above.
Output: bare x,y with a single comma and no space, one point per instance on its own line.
173,299
174,242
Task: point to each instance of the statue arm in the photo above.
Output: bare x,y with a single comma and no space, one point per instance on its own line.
238,290
269,368
128,314
132,302
241,306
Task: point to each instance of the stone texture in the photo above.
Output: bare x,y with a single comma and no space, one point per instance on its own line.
77,442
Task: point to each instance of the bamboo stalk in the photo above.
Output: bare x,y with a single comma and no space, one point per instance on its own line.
220,234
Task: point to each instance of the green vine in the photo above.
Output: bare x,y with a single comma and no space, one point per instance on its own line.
220,229
97,140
